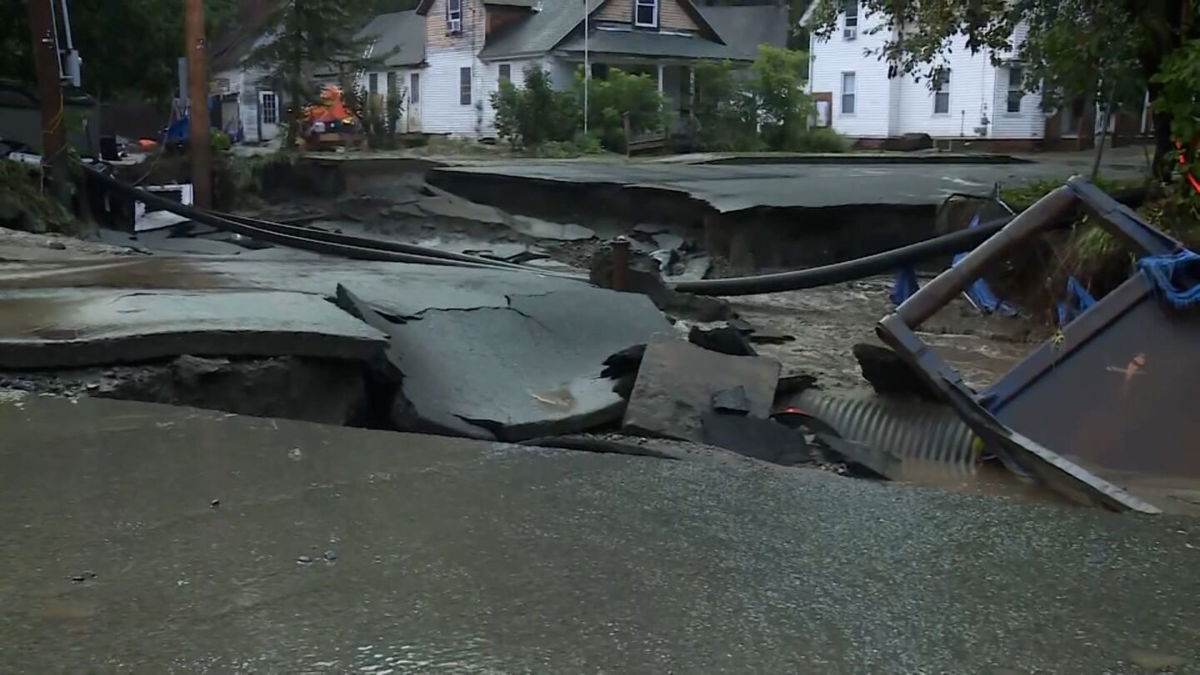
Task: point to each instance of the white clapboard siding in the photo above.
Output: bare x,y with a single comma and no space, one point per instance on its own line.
888,107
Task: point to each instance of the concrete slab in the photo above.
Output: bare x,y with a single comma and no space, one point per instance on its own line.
677,382
58,328
529,368
189,532
728,188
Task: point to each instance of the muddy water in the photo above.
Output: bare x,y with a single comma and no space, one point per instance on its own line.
826,322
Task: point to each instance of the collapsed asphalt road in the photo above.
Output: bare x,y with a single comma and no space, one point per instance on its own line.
149,538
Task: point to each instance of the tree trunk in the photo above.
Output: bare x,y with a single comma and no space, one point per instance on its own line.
1163,141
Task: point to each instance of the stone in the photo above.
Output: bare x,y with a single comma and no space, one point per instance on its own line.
889,375
723,339
732,401
676,384
544,229
763,439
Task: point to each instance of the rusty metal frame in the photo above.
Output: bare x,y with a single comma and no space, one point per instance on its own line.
898,330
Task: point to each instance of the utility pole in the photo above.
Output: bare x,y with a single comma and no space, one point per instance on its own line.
50,97
196,50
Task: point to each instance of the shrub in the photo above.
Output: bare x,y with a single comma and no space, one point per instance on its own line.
777,87
722,110
617,95
535,113
820,139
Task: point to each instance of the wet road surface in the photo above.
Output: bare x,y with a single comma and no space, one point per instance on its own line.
145,538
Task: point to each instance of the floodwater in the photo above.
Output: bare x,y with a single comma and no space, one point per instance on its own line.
145,538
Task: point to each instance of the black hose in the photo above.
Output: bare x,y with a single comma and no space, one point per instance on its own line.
358,248
859,268
366,242
848,270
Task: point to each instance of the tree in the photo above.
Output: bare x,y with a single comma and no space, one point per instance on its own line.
311,34
1071,44
116,63
535,113
777,84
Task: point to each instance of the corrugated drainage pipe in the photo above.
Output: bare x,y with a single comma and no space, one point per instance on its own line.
913,430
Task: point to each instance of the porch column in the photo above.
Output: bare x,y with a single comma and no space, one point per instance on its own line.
660,78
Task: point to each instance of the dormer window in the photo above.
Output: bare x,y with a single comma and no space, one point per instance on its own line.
453,17
645,13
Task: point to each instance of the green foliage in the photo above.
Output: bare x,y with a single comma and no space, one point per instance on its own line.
723,110
1180,77
310,35
619,95
219,140
820,139
777,86
535,113
23,206
1077,47
116,63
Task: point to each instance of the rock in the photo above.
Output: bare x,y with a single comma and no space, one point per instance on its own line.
723,339
214,503
56,245
304,560
732,401
643,277
668,242
544,229
889,375
676,384
330,555
763,439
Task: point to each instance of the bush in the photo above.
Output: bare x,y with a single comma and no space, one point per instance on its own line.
722,110
535,113
820,139
777,87
617,95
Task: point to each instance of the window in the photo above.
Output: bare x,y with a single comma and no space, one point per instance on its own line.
391,84
453,17
850,31
373,83
645,13
414,88
941,94
505,72
270,108
848,83
464,86
1016,92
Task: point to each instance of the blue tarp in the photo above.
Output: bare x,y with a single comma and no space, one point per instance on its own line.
1078,300
979,292
1176,276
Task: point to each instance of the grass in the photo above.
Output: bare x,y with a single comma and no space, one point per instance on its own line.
23,206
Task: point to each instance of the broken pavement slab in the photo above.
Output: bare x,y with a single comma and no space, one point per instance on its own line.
57,328
528,368
676,384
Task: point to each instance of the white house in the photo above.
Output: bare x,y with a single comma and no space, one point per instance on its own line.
976,102
448,56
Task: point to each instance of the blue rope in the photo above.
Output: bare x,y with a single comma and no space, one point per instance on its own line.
1176,276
